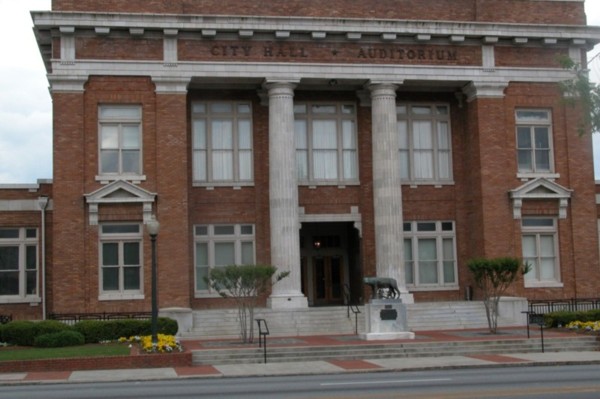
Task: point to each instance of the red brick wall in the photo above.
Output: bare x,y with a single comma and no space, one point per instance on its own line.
529,57
550,12
101,48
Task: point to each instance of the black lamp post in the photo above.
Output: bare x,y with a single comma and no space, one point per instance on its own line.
153,226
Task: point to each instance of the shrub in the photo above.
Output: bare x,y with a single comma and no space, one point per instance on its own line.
59,339
562,318
96,331
19,332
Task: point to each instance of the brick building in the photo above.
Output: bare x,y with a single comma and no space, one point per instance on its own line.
393,138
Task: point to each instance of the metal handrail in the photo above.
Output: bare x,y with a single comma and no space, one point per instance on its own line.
263,331
350,306
542,306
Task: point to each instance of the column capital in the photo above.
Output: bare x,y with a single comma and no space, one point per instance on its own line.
171,85
383,88
280,87
67,84
474,90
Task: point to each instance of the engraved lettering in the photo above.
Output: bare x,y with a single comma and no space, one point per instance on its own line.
268,51
214,50
246,50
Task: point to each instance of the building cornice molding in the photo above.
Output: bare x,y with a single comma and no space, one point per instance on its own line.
119,192
317,28
540,189
72,77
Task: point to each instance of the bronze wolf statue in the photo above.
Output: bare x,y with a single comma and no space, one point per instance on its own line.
378,284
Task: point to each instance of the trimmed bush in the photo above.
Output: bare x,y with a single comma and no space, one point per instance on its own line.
24,332
96,331
59,339
19,332
562,318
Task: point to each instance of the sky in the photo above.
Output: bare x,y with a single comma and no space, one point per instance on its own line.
25,104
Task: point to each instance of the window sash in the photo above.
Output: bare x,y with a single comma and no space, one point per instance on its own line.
540,249
534,141
326,143
120,140
222,149
430,254
424,141
18,263
218,246
121,255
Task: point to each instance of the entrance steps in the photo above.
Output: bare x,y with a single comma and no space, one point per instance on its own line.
223,323
426,316
250,355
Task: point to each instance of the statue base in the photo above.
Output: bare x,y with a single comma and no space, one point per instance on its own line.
386,319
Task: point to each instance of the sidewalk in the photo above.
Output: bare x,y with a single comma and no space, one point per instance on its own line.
325,366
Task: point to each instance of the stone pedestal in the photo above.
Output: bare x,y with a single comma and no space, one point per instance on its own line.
386,319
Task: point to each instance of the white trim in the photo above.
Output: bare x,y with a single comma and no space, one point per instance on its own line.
130,194
531,190
353,28
20,205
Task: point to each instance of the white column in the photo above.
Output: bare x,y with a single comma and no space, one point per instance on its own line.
283,197
387,190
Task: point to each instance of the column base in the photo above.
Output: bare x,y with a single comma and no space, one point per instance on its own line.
407,298
387,336
292,301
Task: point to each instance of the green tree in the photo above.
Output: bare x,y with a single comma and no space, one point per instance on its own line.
245,284
580,89
493,277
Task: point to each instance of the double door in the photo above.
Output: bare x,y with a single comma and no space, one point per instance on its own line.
328,278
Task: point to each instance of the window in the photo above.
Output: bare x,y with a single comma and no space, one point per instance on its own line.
425,143
430,254
120,261
18,264
221,245
534,141
540,250
222,142
120,140
326,144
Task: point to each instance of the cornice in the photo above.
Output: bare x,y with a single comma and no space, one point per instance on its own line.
285,28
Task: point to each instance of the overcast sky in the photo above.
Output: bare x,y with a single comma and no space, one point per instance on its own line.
25,106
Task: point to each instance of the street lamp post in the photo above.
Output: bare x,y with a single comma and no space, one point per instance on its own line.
153,226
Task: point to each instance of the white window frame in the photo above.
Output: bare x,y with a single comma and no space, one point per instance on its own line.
406,115
413,234
120,238
206,112
120,122
521,122
206,234
538,232
307,112
22,242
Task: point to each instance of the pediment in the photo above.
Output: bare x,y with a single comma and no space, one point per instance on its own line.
119,192
538,189
541,188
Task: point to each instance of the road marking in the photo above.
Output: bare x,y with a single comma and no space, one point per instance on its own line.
325,384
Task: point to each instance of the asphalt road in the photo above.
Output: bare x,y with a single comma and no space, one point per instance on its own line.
551,382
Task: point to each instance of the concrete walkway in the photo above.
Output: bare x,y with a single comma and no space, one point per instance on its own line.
325,366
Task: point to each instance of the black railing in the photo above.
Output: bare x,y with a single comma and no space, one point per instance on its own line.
72,318
263,331
351,307
538,306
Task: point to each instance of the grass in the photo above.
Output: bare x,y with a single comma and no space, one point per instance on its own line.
30,353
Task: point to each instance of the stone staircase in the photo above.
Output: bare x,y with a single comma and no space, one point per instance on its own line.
249,355
426,316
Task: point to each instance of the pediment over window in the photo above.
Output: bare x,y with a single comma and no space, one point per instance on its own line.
119,192
540,189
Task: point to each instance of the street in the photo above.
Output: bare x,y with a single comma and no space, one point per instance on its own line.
567,382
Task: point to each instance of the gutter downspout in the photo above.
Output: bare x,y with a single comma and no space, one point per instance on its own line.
43,203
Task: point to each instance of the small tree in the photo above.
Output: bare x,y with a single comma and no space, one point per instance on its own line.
244,284
581,90
493,277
